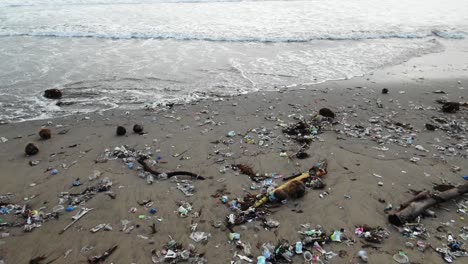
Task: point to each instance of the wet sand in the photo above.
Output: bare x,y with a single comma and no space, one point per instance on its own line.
191,129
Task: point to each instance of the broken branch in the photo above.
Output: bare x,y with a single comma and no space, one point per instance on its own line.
421,202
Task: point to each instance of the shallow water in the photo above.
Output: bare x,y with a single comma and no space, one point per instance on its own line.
131,53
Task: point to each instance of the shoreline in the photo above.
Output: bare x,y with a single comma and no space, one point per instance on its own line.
452,49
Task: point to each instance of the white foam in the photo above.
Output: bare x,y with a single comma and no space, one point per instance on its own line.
261,21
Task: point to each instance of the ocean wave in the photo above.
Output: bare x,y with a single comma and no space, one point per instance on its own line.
353,36
16,3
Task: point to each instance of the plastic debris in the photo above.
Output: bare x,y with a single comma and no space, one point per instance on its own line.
199,236
401,257
362,254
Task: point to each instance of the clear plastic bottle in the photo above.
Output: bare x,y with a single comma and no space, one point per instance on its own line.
363,255
299,247
261,260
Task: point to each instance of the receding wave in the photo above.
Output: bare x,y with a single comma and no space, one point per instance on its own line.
16,3
353,36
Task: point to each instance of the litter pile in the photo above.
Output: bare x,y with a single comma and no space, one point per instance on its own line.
250,208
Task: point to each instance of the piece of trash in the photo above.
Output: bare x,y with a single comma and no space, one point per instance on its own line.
244,258
76,182
184,209
83,211
67,253
199,236
388,207
298,248
234,236
401,257
317,247
323,195
34,162
381,148
409,244
96,174
261,260
3,139
58,208
362,254
271,223
186,188
380,183
97,228
231,134
421,148
336,236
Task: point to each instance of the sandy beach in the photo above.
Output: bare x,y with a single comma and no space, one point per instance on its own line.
195,137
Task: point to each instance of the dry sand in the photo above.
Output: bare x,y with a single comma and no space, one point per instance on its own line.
352,163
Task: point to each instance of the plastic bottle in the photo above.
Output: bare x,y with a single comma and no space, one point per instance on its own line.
261,260
234,236
299,247
266,252
363,255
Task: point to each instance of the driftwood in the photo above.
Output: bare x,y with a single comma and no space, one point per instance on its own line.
103,257
40,259
421,202
153,171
